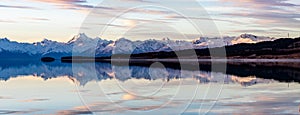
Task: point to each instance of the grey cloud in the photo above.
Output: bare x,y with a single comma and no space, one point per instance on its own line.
30,111
202,18
18,7
142,1
37,19
266,4
266,13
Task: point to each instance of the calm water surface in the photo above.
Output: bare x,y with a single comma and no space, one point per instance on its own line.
102,88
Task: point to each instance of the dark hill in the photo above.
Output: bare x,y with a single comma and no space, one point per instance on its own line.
280,48
284,48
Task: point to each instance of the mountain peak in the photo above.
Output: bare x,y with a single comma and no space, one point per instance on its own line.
79,37
123,40
46,40
166,39
247,36
82,35
199,40
4,39
250,38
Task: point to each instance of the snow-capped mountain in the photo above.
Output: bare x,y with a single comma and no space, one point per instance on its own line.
249,38
82,45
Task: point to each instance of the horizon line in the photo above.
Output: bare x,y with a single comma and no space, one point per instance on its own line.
97,37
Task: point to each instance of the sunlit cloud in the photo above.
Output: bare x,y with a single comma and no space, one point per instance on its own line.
7,21
76,111
231,17
128,97
73,4
66,4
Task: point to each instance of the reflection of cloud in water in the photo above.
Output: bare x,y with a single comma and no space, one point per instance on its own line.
5,97
30,111
81,91
83,73
75,111
264,99
248,81
34,100
267,101
128,97
109,108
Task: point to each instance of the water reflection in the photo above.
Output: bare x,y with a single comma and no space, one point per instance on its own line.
86,88
244,73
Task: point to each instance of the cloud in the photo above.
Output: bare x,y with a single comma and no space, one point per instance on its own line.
30,111
7,21
249,30
62,1
106,107
37,19
2,97
260,3
202,18
74,112
128,97
264,9
141,1
34,100
150,11
18,7
92,6
73,4
265,14
66,4
269,19
112,25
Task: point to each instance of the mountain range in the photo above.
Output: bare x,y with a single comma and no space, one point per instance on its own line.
82,45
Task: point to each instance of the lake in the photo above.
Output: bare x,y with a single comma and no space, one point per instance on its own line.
266,87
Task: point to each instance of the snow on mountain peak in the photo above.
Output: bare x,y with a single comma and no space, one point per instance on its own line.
4,39
166,39
123,40
82,45
249,38
79,38
123,45
46,41
199,40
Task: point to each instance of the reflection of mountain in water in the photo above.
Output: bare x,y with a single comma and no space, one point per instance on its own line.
87,72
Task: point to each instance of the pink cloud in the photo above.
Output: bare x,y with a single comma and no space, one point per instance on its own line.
260,3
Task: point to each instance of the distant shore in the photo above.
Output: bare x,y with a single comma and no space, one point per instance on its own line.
279,50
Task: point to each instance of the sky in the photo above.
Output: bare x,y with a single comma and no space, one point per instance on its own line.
60,20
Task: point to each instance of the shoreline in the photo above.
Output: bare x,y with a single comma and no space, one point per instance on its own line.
181,60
